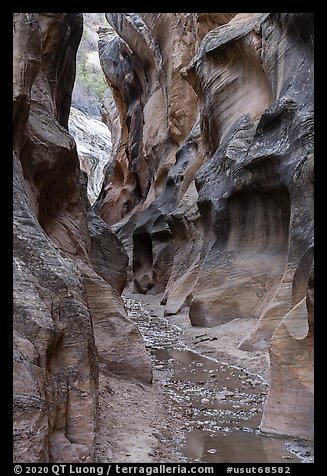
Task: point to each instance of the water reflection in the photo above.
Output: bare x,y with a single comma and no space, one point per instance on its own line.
235,447
219,406
223,407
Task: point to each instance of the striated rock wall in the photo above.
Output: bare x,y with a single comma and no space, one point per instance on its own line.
210,190
58,330
213,178
256,193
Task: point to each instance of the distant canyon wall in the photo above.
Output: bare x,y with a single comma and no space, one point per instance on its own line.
211,189
93,143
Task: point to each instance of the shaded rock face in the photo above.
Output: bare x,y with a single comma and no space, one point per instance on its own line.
58,331
213,178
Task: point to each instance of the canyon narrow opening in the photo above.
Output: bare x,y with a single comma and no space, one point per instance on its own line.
163,260
87,115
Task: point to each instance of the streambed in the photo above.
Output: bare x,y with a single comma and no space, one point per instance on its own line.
218,406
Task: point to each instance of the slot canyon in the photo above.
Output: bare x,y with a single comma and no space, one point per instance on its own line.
163,242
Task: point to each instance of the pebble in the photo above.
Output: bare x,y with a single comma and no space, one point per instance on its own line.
212,451
205,400
225,393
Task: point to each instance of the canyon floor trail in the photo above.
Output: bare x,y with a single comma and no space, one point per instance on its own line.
203,406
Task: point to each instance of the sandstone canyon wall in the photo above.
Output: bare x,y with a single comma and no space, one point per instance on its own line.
69,319
211,190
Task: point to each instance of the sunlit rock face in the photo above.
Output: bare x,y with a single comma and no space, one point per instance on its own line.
93,141
212,184
61,332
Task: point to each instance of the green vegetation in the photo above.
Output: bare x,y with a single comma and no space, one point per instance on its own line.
90,84
90,77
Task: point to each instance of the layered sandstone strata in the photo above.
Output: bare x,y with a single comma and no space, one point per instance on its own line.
258,259
59,327
155,110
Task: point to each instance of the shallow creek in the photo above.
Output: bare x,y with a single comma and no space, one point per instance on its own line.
219,406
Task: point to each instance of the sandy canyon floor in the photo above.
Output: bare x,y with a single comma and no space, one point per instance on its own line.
204,404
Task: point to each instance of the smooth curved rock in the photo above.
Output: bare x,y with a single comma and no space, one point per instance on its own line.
290,404
259,209
219,202
156,113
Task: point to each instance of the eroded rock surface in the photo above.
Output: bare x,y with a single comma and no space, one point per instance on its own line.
213,177
210,190
58,329
156,111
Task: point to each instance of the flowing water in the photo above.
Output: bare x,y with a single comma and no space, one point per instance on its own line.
219,406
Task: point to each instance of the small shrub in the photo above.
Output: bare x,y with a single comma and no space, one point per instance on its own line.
90,84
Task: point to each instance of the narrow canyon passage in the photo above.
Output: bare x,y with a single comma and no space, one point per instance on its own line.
214,409
213,389
163,237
